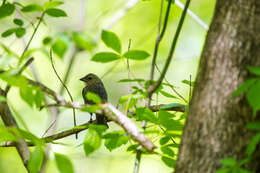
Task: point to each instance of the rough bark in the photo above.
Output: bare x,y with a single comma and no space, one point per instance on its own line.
216,123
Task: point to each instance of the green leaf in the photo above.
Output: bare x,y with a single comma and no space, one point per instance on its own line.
52,4
18,22
253,96
60,47
166,94
91,108
146,114
136,54
47,40
168,151
223,170
35,160
253,126
165,119
105,57
32,8
188,82
30,137
242,170
83,41
132,147
244,87
115,139
6,10
168,161
63,163
254,70
229,162
93,97
164,140
131,80
55,12
92,141
9,51
38,97
6,135
8,32
27,95
252,144
20,32
111,40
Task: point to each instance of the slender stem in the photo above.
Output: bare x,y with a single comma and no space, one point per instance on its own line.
148,103
159,38
30,40
69,68
173,46
64,85
3,3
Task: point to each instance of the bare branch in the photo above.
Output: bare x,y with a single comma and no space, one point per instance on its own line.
170,55
128,126
9,121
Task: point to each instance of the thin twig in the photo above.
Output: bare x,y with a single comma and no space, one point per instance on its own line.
158,40
174,90
190,89
30,40
170,55
26,64
64,85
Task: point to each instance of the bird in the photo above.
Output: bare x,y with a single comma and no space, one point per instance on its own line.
95,85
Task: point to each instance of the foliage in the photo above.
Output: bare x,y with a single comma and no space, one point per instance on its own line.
165,124
251,88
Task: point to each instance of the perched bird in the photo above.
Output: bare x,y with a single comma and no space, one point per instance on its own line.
94,85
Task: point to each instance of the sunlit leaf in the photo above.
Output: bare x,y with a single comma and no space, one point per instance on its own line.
6,10
105,57
188,82
55,12
253,96
93,97
164,140
229,162
168,161
168,151
63,163
136,54
166,94
52,4
254,70
32,8
20,32
252,144
8,32
47,40
115,139
83,41
92,141
244,87
18,22
111,40
36,159
146,114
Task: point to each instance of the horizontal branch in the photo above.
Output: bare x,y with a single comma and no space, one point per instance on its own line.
57,136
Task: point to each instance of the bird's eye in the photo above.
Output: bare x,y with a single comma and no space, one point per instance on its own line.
89,78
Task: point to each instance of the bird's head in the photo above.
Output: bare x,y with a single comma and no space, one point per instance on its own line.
90,79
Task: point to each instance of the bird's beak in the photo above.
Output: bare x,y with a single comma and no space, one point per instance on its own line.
83,79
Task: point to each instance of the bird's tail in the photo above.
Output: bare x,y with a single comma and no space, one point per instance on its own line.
101,119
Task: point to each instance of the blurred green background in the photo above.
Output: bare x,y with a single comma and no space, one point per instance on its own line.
140,24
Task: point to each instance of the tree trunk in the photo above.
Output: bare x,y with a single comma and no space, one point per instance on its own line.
216,123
